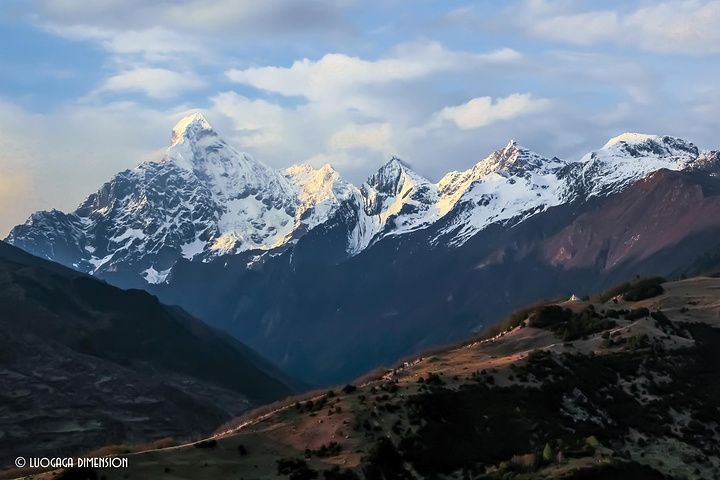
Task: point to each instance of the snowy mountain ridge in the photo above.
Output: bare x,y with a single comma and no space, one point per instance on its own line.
206,199
629,157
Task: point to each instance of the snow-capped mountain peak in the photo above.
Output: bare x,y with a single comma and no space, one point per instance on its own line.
640,145
629,157
630,138
511,161
189,127
395,190
511,183
396,200
514,160
203,200
305,174
231,175
320,192
389,178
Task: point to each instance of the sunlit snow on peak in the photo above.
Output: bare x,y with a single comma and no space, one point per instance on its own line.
191,123
630,138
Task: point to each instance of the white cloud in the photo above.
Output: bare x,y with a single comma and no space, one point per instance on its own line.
334,74
236,16
310,133
687,26
358,112
483,111
673,26
593,72
154,45
579,28
258,124
157,29
154,82
185,33
151,41
267,16
373,136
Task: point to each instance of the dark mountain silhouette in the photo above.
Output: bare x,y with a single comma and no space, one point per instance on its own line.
85,364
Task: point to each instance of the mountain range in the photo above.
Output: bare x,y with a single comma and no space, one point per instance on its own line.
205,200
329,280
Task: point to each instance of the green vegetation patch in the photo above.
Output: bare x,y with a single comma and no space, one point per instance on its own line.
567,324
639,289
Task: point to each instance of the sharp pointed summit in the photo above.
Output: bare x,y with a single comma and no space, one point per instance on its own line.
513,160
400,199
388,178
396,162
189,126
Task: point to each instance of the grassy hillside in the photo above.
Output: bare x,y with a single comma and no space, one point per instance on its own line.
631,392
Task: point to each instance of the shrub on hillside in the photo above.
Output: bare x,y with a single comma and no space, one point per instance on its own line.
349,388
644,288
550,316
637,313
567,324
615,291
384,462
212,443
296,468
330,450
639,289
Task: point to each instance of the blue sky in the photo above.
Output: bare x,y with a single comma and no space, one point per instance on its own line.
89,88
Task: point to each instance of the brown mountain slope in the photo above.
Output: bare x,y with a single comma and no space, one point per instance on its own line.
622,390
655,214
